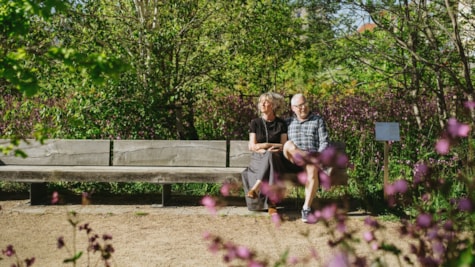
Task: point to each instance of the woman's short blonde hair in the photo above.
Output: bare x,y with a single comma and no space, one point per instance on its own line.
276,99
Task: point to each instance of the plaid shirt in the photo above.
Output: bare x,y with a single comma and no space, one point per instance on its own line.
309,135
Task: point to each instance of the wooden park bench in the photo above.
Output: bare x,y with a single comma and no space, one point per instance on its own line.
163,162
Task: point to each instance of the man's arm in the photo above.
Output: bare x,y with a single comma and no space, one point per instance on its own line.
322,135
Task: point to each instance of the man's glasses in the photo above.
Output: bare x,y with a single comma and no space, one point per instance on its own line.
304,104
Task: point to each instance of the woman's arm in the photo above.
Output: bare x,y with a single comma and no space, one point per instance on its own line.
262,147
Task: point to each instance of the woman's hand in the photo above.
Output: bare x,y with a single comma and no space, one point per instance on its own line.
275,148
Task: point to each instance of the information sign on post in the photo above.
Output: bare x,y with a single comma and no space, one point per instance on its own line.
387,131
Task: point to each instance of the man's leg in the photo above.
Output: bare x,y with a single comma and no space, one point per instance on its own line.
311,186
292,152
289,150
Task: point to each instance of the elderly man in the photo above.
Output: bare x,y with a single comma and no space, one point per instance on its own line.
307,132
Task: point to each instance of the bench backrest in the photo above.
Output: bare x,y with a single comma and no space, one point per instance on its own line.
59,152
197,153
239,154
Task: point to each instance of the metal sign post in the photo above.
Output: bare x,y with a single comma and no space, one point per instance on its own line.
387,131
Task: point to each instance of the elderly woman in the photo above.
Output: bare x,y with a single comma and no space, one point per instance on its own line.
267,135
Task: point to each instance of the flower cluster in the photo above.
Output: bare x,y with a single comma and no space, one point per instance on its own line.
11,253
232,251
96,243
454,131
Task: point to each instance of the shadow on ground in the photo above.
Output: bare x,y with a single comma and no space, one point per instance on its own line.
288,204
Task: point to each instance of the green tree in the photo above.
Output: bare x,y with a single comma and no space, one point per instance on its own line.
31,58
425,51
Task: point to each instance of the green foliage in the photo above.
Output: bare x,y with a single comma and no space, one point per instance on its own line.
14,187
105,188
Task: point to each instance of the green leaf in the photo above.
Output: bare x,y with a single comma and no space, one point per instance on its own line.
73,259
20,153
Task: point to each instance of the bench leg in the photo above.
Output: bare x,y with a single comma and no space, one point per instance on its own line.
38,194
166,193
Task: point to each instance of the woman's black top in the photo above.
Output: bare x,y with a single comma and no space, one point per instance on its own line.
268,132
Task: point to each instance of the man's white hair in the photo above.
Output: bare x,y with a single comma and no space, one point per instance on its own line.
296,97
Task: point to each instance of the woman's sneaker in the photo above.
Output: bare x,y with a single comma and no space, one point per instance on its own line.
305,214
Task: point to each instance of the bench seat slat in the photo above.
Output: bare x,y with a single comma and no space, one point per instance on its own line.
161,175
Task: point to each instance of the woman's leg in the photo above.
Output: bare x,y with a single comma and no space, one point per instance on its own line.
254,191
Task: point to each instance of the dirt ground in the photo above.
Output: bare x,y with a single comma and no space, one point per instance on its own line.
151,235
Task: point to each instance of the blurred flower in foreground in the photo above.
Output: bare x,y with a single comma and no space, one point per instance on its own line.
442,146
421,170
210,204
340,259
391,190
302,177
469,104
228,189
457,129
275,192
275,218
225,189
452,133
325,180
232,251
465,204
424,220
55,198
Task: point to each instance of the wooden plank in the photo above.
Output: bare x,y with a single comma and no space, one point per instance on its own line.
60,152
239,154
160,175
202,153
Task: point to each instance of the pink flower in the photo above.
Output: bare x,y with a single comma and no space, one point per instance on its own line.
325,180
225,189
328,212
299,159
275,218
10,251
340,259
390,189
342,161
401,186
55,198
371,222
421,170
368,236
464,204
442,146
457,129
312,218
243,252
424,220
302,177
469,104
375,246
327,155
209,203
